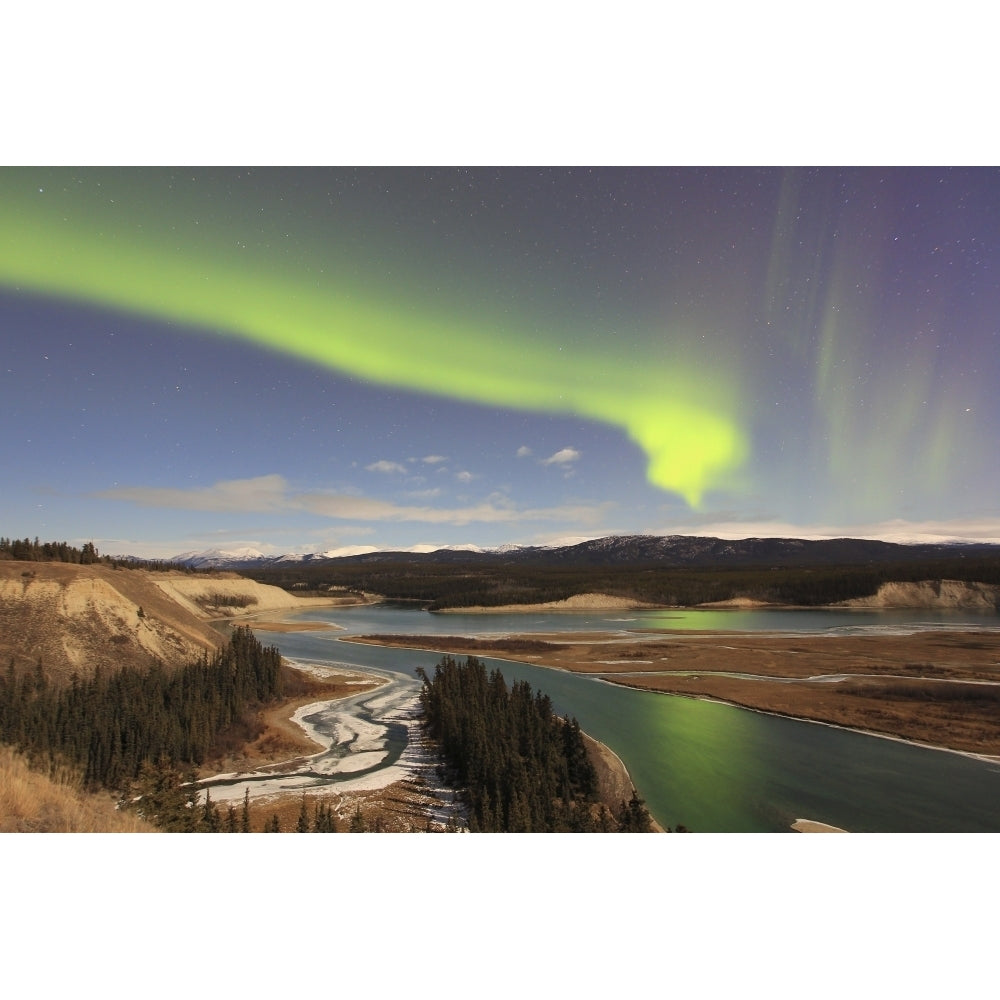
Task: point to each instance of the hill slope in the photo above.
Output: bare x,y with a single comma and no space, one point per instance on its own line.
31,802
77,618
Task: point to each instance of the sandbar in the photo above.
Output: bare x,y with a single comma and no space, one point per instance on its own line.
814,826
578,602
292,626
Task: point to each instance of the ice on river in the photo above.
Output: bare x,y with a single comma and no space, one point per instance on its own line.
369,740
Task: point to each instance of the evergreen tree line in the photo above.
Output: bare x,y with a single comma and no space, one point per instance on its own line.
167,797
522,768
35,551
28,550
493,582
111,725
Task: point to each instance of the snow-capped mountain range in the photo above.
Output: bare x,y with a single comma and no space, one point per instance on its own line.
241,558
664,550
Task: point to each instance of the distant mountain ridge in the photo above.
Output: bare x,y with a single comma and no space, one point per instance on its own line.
615,550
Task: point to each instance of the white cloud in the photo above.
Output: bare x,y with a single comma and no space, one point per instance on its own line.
524,451
465,476
259,495
434,459
362,509
271,494
562,457
383,466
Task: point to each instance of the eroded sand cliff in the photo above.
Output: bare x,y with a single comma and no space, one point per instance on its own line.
76,618
931,594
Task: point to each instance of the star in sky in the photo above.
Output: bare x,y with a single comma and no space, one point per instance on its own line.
219,356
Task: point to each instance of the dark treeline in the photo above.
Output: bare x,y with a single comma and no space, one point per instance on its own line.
111,725
521,767
35,551
218,600
167,796
28,550
491,583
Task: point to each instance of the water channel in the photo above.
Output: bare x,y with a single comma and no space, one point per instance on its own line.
712,767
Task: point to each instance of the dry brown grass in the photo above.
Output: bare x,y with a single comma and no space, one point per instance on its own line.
31,802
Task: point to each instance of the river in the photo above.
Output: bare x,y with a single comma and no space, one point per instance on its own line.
711,767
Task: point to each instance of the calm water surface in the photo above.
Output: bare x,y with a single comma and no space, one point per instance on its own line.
713,767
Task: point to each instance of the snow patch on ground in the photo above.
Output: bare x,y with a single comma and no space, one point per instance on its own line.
360,735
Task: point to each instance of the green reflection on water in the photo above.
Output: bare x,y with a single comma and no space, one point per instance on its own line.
695,761
713,767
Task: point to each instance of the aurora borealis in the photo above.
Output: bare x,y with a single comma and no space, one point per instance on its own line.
320,359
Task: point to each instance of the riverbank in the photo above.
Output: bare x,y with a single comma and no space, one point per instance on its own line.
614,784
408,796
278,766
280,739
937,689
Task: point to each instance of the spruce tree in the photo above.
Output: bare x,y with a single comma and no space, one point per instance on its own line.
635,818
245,819
210,815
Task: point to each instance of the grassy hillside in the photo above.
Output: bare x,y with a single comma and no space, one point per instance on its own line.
31,802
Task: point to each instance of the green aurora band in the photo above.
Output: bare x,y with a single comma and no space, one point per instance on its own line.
681,414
